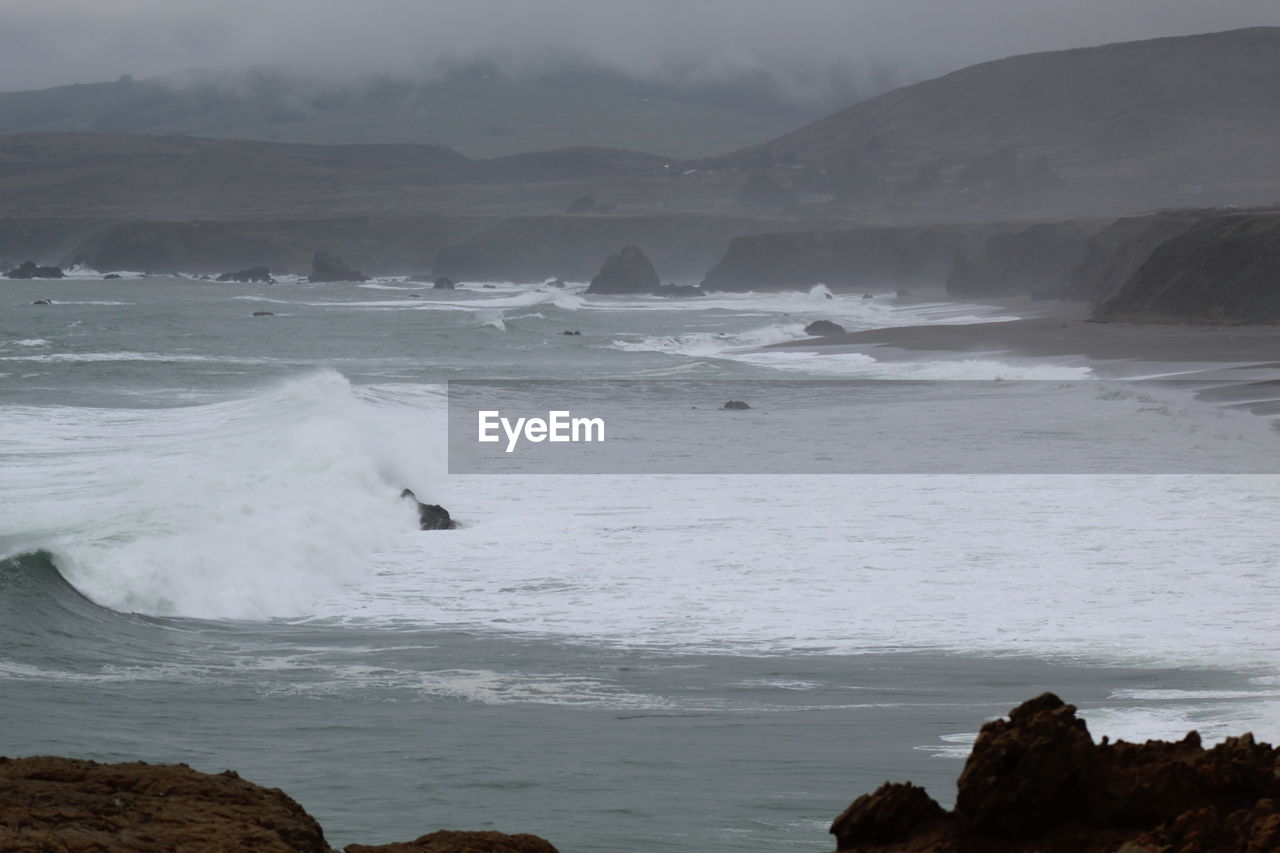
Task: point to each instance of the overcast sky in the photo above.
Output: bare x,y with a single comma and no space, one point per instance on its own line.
52,42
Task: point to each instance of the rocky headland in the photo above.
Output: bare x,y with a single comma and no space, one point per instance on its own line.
1220,270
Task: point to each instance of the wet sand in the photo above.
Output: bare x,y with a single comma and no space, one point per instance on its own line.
1061,330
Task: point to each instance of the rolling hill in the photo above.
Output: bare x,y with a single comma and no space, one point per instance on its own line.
481,115
1135,124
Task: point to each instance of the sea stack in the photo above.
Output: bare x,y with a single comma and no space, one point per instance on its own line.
629,271
326,267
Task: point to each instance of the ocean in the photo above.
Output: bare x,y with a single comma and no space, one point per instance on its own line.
204,558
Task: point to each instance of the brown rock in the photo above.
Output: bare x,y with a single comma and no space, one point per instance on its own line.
68,805
447,841
1037,781
1029,772
892,813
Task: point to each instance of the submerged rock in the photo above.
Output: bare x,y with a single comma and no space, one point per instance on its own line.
29,270
430,516
326,267
262,274
629,271
822,328
1037,781
43,302
446,841
574,333
263,314
737,405
444,283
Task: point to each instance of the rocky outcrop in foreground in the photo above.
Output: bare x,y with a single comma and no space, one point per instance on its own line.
74,806
1038,782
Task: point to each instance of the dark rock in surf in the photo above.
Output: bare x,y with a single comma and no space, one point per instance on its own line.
430,516
449,841
904,294
555,282
29,270
43,302
822,328
263,314
629,271
867,296
574,333
735,405
444,283
111,276
252,274
326,267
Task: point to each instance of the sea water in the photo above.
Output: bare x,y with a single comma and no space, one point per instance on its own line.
206,559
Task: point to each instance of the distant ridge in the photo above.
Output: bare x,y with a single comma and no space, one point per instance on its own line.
1132,120
479,115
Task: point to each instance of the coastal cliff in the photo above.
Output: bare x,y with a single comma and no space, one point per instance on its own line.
1038,260
1223,269
1114,254
1038,782
871,257
533,248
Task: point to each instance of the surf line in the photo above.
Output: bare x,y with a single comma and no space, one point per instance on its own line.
557,426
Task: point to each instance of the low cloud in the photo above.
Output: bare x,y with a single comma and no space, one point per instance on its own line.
805,45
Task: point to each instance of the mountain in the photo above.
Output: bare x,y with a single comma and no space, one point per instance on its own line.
478,113
151,176
1191,119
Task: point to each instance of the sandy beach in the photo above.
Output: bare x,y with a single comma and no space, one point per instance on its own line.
1061,331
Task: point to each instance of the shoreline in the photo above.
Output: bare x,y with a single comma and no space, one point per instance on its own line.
1060,330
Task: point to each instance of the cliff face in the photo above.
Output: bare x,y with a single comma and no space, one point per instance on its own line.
572,247
1038,260
1222,269
1038,782
380,245
873,257
64,804
1115,254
